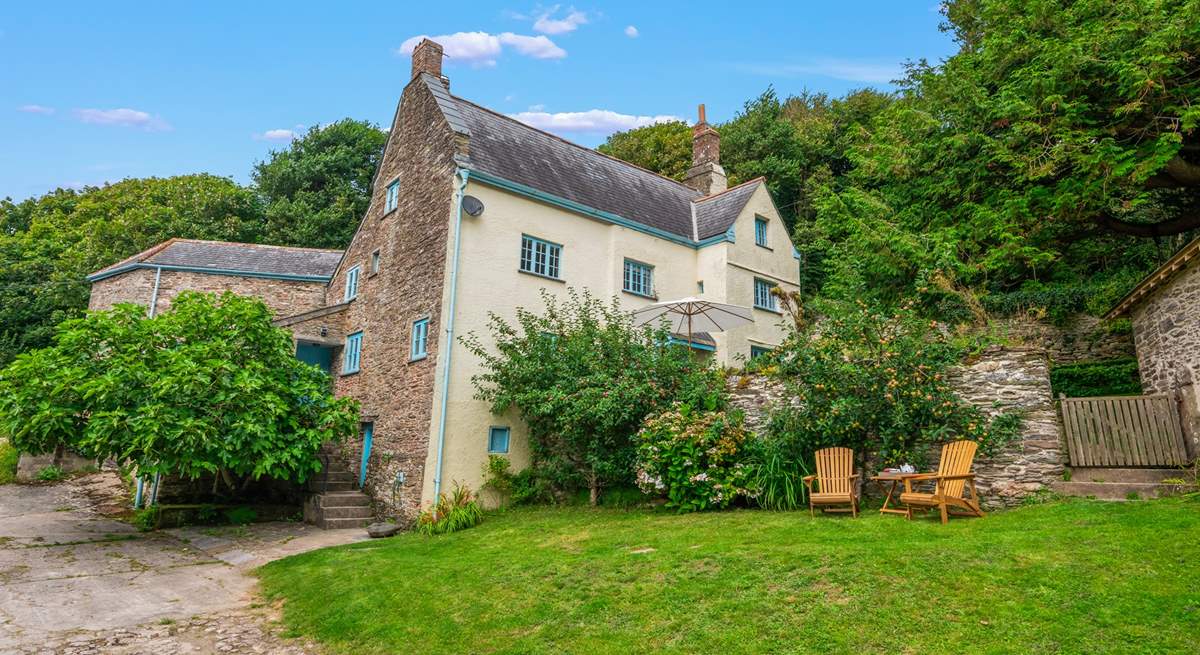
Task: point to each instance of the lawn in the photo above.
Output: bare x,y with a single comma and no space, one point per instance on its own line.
1069,577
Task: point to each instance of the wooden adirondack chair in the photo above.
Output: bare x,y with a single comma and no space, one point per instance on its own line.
954,473
836,481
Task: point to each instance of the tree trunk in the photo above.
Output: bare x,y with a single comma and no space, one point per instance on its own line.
593,489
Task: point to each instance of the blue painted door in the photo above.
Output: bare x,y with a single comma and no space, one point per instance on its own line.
368,430
310,353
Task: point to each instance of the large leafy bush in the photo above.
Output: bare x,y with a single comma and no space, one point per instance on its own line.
1113,377
583,378
875,381
695,458
208,387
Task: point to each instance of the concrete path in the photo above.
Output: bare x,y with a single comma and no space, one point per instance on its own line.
70,575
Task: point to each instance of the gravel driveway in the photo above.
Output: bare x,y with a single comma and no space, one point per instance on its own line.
74,581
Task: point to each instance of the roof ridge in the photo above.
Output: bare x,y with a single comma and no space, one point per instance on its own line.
140,256
246,243
760,178
576,145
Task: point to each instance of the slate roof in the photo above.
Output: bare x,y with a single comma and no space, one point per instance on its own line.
231,258
509,149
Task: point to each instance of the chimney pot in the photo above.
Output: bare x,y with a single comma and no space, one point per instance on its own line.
427,58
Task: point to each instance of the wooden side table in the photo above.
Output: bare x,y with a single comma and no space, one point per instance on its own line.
894,478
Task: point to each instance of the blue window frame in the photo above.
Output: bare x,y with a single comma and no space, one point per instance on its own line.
393,197
540,257
758,351
352,353
762,295
420,339
638,278
352,282
498,440
760,232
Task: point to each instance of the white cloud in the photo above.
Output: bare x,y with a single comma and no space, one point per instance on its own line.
538,47
276,135
601,121
36,109
546,23
482,48
853,70
631,32
123,117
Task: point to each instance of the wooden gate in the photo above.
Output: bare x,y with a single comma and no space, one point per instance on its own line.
1123,431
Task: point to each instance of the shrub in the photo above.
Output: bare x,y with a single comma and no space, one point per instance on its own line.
146,519
1112,377
9,457
51,473
777,474
241,515
583,378
451,513
875,381
208,387
695,458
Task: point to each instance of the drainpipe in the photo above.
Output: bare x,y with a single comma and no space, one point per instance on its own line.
441,438
154,294
141,482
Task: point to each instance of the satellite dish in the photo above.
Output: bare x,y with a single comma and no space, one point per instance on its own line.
472,205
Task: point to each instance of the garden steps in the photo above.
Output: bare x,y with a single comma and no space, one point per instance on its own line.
1118,484
334,501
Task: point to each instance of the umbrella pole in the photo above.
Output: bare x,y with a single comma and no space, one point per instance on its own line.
689,331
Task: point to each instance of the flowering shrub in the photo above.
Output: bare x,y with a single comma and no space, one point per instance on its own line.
694,458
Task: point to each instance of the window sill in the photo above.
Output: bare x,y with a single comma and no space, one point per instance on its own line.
639,295
768,309
347,374
544,277
388,212
497,452
765,247
418,358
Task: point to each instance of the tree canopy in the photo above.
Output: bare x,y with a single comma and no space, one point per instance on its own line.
318,188
49,244
208,387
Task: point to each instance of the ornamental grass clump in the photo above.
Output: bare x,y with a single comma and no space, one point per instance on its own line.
457,511
694,458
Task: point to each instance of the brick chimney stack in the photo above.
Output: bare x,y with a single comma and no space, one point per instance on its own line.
427,58
706,174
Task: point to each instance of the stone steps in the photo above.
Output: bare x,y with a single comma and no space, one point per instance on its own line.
335,502
1118,484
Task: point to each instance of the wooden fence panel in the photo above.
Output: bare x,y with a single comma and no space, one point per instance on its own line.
1123,431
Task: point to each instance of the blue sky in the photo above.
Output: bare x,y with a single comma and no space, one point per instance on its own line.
94,92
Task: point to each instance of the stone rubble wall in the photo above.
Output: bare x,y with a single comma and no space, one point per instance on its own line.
1167,327
998,380
1083,338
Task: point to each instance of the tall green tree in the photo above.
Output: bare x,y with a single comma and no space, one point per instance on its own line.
49,244
318,188
208,387
665,148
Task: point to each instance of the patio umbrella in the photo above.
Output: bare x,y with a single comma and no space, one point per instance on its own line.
694,315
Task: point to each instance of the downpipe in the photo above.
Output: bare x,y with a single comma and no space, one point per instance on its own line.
463,174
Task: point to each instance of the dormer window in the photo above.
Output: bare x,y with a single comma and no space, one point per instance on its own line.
392,200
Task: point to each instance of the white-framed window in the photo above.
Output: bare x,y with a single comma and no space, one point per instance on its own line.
374,262
352,282
541,257
392,199
638,278
760,232
763,299
352,353
420,339
498,439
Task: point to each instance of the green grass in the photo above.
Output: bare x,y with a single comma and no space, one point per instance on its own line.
1069,577
8,462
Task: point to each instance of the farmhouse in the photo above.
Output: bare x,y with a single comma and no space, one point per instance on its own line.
476,213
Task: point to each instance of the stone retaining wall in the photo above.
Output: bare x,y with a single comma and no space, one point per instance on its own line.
997,380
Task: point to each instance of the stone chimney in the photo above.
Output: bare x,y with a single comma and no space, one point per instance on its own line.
427,58
706,174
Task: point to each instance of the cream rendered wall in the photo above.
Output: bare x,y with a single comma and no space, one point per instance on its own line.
593,254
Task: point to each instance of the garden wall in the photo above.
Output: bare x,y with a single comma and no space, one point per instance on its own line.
1082,338
996,380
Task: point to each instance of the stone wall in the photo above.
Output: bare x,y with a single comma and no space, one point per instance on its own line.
1082,338
284,297
996,381
397,392
1015,379
1166,328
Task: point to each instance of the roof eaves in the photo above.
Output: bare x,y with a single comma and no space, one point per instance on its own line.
1154,280
141,256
